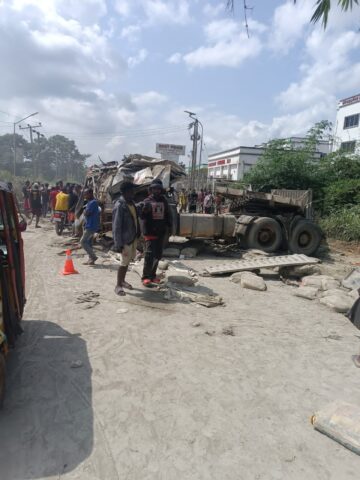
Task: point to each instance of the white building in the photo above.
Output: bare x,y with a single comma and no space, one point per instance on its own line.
347,127
235,163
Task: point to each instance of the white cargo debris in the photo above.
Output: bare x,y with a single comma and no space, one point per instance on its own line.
189,252
252,281
330,283
180,279
339,303
352,281
341,422
306,292
354,294
163,265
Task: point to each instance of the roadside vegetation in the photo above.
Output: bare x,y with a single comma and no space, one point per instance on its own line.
334,180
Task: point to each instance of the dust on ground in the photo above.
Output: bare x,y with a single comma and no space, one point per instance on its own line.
108,388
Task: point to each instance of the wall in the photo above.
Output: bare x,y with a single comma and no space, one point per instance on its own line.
348,134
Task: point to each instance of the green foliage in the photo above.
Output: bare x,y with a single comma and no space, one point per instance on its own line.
344,224
49,159
286,165
341,193
323,7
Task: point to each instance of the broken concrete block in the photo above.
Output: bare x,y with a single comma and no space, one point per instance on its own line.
306,292
253,282
352,281
329,283
236,277
189,252
339,303
354,294
312,281
163,265
171,252
185,280
332,291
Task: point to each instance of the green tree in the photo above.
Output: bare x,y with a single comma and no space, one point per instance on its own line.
7,151
287,165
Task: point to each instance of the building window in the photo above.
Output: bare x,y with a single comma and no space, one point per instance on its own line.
347,147
351,121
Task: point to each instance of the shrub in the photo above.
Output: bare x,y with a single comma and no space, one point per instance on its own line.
343,224
341,193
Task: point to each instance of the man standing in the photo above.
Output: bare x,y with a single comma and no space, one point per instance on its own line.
91,226
208,203
156,219
35,204
182,201
45,199
126,231
193,198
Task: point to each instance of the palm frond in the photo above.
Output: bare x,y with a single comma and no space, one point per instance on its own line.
323,9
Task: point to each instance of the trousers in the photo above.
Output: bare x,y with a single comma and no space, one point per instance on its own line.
86,243
153,253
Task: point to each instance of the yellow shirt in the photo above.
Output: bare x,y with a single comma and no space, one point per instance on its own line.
62,202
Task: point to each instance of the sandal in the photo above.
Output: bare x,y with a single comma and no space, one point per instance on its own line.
127,285
119,291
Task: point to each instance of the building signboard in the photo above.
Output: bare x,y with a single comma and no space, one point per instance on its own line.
168,148
350,100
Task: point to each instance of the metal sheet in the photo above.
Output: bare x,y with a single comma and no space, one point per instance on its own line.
261,262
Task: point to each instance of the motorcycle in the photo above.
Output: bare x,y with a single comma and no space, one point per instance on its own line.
60,220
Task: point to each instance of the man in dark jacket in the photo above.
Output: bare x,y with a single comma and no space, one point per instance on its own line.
126,230
156,219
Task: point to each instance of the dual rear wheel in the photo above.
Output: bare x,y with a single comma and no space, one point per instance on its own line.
266,234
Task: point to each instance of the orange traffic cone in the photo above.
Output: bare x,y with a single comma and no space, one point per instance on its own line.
69,266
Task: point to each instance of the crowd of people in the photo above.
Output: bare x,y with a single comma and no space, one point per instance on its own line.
150,219
203,201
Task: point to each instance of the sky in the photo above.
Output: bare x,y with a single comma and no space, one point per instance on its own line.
117,75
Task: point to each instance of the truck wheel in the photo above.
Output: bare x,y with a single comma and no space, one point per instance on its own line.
265,234
305,238
2,379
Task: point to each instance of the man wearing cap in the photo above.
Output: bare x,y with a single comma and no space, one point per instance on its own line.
126,231
156,220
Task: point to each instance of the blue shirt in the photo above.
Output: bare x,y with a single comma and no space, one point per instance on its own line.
92,216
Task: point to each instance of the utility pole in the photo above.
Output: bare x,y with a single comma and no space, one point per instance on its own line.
195,137
38,152
14,137
31,128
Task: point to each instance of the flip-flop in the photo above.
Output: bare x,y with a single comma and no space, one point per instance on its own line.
119,291
127,285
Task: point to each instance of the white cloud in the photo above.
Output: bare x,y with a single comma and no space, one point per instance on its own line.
122,7
213,10
167,11
175,58
227,44
131,32
138,58
289,22
147,99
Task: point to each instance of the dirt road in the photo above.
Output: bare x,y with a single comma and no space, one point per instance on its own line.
132,390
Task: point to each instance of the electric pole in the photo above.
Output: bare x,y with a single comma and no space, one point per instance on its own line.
38,152
195,137
14,137
31,128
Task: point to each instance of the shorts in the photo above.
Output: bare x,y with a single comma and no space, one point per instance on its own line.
128,254
36,211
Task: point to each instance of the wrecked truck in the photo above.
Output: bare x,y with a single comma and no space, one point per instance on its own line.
280,220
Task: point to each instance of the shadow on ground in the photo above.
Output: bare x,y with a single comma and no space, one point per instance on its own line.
46,425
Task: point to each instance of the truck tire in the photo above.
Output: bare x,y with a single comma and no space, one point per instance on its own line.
305,238
2,379
265,234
